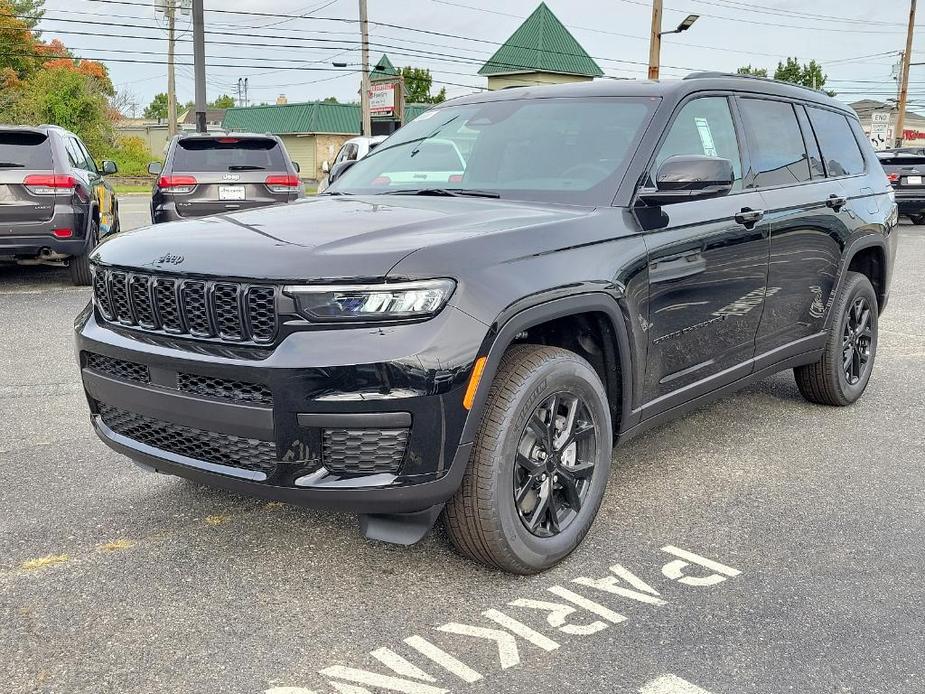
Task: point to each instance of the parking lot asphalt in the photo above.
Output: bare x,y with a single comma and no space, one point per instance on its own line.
807,526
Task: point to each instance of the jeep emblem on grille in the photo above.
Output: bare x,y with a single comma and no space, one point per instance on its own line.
169,258
231,177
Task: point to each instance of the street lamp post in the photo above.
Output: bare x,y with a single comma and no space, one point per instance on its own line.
655,40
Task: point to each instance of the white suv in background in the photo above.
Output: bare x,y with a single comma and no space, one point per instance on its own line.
354,148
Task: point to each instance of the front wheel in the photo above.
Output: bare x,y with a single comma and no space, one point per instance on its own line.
841,374
539,463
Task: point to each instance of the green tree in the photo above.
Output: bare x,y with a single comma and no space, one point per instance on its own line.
30,12
330,100
224,101
73,101
158,107
754,71
18,48
807,74
418,82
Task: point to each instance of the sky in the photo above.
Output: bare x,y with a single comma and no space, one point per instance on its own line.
287,46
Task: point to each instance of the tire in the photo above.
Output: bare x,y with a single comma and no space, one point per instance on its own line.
829,381
917,219
79,265
483,519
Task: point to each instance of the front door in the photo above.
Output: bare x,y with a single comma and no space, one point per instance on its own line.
708,264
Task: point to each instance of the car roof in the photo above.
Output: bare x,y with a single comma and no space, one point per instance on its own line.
43,129
675,88
213,136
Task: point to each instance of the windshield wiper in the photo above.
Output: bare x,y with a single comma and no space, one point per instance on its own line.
10,165
445,192
245,167
334,192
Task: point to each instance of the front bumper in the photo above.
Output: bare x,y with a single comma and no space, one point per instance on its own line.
361,420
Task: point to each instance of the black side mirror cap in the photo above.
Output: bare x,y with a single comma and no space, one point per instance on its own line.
339,168
295,165
689,177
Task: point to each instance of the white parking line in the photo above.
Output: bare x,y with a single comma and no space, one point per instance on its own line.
670,684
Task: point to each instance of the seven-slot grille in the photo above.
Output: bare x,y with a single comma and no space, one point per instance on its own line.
210,309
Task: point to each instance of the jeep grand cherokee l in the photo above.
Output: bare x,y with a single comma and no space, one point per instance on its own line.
213,174
55,204
612,255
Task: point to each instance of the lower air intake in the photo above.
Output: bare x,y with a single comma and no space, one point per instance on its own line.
364,451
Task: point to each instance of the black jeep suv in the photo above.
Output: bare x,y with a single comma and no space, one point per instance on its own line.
55,204
612,255
213,174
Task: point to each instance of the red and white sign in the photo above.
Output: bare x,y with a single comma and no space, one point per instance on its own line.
382,98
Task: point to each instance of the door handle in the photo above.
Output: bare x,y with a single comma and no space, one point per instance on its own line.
836,202
748,217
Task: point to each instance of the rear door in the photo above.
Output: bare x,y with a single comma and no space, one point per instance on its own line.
232,173
708,263
809,214
23,153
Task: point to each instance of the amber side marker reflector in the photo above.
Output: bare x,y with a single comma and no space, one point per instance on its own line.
474,379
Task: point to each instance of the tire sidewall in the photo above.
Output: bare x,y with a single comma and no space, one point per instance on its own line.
858,286
557,375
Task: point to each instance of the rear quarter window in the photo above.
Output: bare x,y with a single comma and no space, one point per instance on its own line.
20,150
840,149
229,154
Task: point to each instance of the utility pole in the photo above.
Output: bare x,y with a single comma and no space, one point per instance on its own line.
199,63
655,39
364,59
170,11
904,84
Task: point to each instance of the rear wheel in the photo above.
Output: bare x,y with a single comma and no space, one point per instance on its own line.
539,465
79,265
841,375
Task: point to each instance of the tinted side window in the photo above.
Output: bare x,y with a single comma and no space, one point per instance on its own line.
775,142
703,126
352,151
815,157
90,164
839,148
73,154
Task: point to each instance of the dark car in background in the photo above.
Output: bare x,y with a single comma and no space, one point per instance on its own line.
55,203
906,170
611,255
213,174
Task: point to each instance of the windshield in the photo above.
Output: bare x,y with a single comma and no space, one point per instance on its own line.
228,154
557,150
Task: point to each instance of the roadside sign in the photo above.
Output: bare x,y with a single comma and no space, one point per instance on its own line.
881,132
382,98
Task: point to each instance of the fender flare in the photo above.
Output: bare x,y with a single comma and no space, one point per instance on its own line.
872,240
497,342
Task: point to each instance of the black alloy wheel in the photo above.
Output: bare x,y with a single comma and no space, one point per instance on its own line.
856,341
554,464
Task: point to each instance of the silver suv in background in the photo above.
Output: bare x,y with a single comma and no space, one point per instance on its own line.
353,149
213,174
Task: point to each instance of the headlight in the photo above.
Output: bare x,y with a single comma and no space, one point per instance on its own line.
372,302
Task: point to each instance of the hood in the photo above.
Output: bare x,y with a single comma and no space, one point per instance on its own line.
359,238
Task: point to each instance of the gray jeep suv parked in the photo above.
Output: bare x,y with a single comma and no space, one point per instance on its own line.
212,174
55,203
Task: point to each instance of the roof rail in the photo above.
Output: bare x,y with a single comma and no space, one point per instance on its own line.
713,75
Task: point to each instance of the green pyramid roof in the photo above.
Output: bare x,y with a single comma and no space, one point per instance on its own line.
542,44
387,72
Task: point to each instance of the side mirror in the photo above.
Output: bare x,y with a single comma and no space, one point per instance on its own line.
339,168
155,168
689,177
109,167
325,167
295,165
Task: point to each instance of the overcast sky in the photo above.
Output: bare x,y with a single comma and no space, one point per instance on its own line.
857,50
